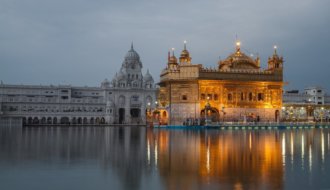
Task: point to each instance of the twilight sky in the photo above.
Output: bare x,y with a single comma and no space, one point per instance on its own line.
82,42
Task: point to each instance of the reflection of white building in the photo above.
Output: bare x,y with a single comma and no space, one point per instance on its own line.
124,100
311,104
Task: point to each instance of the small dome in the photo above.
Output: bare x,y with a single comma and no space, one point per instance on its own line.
147,77
132,54
105,81
173,60
121,75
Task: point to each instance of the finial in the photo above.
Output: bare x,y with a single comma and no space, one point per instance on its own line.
185,43
168,55
172,51
132,46
238,45
275,49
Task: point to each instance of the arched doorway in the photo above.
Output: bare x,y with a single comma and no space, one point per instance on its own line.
211,114
30,120
79,120
49,120
121,115
65,120
102,120
97,120
74,121
85,120
35,120
92,120
54,120
43,120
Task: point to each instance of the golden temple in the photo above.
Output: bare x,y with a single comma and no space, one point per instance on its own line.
237,90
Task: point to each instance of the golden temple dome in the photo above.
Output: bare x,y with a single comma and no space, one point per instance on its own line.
173,60
238,60
185,56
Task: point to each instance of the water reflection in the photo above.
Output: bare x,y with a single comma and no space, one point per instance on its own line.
140,158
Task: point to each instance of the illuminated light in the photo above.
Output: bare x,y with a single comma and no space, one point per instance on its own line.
185,41
148,103
172,49
283,148
275,47
148,152
302,150
322,146
208,157
238,43
283,108
250,141
291,144
328,141
310,157
156,153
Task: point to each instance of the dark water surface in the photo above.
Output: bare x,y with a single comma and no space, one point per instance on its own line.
141,158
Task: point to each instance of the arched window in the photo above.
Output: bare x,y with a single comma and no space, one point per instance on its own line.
184,97
215,96
230,97
260,96
242,96
250,96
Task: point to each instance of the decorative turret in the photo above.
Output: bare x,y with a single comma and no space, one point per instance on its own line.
275,62
172,60
185,57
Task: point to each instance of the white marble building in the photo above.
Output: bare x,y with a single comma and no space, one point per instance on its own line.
124,100
312,104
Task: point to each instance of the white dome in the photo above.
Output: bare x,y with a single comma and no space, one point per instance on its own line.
147,77
132,54
105,83
121,75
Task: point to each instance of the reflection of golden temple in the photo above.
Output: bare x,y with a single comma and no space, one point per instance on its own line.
237,87
188,160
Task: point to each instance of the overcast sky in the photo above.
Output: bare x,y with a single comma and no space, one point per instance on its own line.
82,42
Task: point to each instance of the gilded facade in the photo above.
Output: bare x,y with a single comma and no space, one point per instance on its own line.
238,89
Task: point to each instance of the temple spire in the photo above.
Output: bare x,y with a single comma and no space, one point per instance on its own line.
275,50
238,45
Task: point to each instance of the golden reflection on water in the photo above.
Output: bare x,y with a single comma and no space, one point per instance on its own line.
231,158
